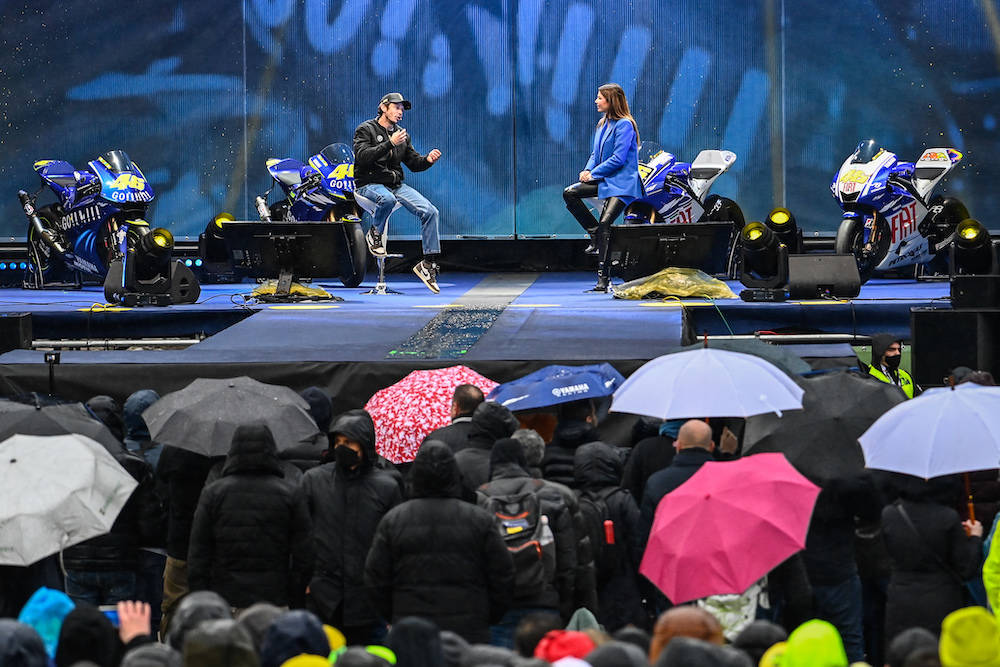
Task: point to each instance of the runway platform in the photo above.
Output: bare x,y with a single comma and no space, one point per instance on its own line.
502,324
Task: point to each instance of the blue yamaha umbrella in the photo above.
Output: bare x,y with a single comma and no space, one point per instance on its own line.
557,384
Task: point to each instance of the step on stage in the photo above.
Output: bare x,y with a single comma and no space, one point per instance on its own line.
502,324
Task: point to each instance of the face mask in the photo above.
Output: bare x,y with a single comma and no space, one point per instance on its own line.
346,457
892,363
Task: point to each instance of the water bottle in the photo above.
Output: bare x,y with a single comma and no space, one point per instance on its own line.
547,537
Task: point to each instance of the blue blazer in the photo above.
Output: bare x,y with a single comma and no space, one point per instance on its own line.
614,162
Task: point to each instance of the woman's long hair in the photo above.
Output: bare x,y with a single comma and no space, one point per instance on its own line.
617,107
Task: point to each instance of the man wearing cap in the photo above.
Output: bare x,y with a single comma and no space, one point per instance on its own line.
381,146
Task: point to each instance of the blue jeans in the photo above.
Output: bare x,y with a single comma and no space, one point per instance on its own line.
841,605
149,584
98,588
385,199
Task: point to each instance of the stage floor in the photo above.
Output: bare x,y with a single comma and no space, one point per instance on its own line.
502,324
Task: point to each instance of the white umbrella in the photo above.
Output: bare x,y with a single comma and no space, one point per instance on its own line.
941,432
707,383
56,491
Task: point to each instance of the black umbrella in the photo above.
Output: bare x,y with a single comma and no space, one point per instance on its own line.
778,355
203,416
821,439
58,420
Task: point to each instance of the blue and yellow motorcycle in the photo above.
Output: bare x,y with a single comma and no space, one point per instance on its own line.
321,190
96,229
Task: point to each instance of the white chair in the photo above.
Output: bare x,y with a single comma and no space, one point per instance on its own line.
380,287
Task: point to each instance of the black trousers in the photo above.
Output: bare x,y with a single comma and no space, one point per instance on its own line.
574,196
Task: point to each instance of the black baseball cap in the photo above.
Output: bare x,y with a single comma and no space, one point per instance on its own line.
395,98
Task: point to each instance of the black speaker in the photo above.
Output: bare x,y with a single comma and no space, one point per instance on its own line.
944,339
817,276
15,331
975,291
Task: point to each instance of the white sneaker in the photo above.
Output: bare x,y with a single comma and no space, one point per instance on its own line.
376,244
427,272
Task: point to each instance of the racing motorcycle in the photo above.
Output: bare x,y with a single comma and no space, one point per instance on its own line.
97,228
890,218
321,190
675,192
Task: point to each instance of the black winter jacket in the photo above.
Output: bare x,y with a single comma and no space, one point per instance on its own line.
511,479
685,464
929,567
490,422
376,160
557,464
598,468
439,557
183,474
250,540
455,434
650,455
829,555
346,507
138,524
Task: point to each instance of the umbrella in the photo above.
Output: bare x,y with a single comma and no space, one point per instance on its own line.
58,420
779,355
203,416
57,491
552,385
707,383
728,526
938,433
405,412
821,440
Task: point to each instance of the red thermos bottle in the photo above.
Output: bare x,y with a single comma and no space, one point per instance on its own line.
609,531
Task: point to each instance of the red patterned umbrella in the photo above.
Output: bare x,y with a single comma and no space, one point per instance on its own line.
407,411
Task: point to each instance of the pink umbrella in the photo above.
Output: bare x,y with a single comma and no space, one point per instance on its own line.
407,411
728,526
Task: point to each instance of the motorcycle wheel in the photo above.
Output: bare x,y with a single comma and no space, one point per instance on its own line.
354,260
850,237
279,211
723,209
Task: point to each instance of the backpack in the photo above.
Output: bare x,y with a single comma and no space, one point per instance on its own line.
608,557
527,536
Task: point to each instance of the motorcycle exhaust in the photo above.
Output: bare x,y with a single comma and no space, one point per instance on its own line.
36,222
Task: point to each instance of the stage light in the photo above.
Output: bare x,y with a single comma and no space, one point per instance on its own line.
146,275
3,266
972,251
198,262
782,223
23,265
211,242
764,263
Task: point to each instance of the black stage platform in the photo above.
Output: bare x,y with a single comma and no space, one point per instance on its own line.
501,324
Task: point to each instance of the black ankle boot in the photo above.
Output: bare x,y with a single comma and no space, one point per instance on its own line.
592,249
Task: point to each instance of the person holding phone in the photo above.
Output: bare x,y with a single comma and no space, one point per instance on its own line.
611,174
381,147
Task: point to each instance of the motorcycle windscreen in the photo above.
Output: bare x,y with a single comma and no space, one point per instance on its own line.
118,162
338,154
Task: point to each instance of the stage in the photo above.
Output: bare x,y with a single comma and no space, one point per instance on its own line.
502,324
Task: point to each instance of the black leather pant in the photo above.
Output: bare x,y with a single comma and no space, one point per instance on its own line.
574,196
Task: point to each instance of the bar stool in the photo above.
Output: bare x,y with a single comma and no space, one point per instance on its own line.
380,287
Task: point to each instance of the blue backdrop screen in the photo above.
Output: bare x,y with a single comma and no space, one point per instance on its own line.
200,94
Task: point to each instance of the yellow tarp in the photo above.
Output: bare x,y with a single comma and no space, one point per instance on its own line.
674,282
296,289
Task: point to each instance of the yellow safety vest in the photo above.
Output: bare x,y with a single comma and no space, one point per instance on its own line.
905,382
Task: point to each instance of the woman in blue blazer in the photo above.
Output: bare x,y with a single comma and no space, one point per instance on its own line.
611,174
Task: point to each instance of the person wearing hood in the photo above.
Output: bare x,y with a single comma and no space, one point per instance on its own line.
598,468
296,632
653,452
20,645
490,422
555,593
346,499
886,355
108,412
577,426
87,634
195,608
439,557
251,538
219,643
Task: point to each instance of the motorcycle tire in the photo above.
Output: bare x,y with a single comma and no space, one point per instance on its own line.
849,242
279,211
354,257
